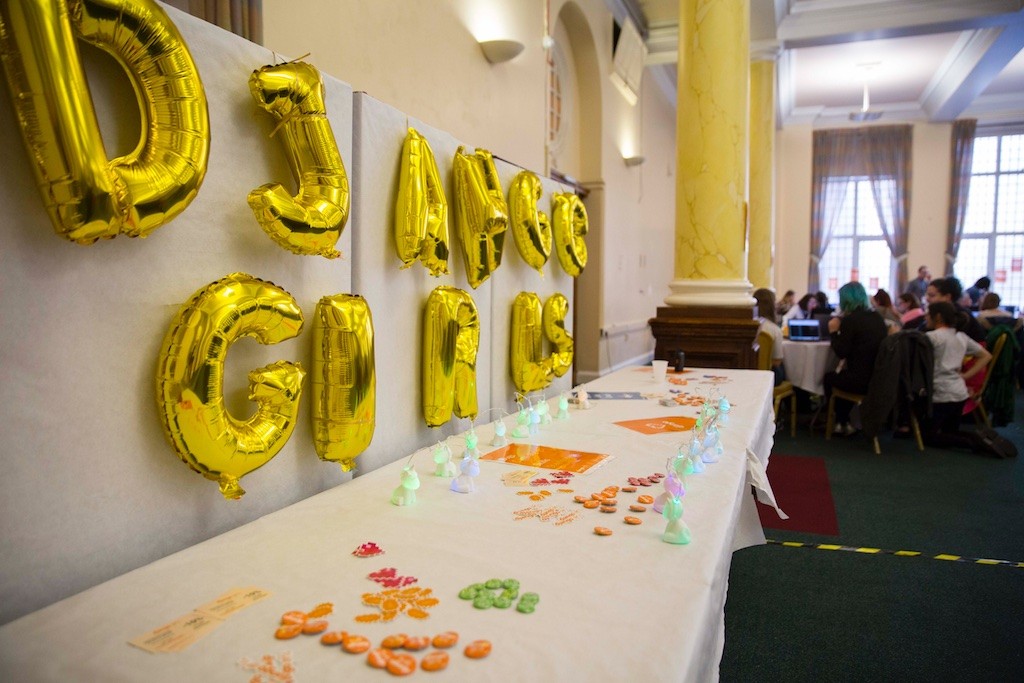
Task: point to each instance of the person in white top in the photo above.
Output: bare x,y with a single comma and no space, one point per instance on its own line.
804,309
765,314
949,386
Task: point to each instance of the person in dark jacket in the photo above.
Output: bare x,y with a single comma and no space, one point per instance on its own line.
855,336
950,290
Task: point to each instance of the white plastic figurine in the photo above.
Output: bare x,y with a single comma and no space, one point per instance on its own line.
695,452
676,531
723,410
544,410
563,407
471,442
443,461
499,434
470,470
673,489
406,493
534,421
582,399
522,428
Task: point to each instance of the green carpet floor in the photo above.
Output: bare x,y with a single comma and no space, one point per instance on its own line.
803,614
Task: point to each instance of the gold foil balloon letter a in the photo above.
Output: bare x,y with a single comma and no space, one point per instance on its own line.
530,227
190,379
451,338
570,227
87,196
311,222
481,213
344,381
421,212
531,371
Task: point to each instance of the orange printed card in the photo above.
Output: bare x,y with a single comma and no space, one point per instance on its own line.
548,457
660,425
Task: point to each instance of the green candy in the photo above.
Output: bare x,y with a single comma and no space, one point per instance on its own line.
483,601
525,609
468,593
502,602
510,593
510,583
493,583
529,598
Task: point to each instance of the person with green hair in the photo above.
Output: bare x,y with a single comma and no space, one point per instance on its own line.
855,335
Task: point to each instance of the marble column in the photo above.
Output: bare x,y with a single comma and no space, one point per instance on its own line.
709,315
760,254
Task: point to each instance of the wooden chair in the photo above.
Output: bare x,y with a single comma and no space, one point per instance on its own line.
857,399
785,389
978,395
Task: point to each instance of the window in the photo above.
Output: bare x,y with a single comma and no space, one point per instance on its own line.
993,236
857,250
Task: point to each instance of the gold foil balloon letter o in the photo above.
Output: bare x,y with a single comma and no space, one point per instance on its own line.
570,226
87,196
344,382
311,222
190,373
451,339
530,227
481,213
421,211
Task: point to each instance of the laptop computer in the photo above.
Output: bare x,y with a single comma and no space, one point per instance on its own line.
805,330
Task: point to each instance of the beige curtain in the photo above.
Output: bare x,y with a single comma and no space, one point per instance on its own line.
962,153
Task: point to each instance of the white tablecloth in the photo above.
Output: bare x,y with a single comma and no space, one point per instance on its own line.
621,607
806,364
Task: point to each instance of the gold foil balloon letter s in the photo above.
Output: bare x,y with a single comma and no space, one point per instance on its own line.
421,211
481,213
310,222
190,379
530,227
570,226
451,339
344,379
87,196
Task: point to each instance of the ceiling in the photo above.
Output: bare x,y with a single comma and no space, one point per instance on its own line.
923,60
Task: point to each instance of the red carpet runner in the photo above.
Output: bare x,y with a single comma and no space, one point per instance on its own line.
802,490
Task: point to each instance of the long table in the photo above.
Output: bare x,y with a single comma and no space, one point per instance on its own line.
621,607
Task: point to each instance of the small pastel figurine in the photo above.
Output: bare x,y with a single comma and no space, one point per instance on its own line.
534,421
522,428
673,489
443,461
544,410
406,493
499,434
695,455
676,531
471,442
563,407
582,399
470,470
723,410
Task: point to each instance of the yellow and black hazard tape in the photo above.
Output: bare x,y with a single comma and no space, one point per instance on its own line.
899,553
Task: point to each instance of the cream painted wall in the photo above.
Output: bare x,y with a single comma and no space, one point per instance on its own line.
926,242
422,58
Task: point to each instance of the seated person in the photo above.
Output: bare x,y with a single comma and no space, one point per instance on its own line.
991,314
765,314
976,291
823,305
911,312
803,310
855,336
949,382
787,302
950,290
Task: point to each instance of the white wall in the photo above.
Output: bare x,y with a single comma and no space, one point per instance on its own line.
926,239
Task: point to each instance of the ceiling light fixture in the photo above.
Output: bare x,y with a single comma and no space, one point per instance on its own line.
865,113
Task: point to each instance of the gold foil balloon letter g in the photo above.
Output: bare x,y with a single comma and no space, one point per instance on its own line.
310,222
481,213
87,196
190,373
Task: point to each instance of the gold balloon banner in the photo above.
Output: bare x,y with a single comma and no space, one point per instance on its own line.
530,227
344,381
451,339
421,211
481,213
569,220
311,222
190,372
531,371
87,196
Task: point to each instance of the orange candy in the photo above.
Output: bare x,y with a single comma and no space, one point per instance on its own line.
632,520
591,504
602,531
333,637
379,658
355,644
638,508
293,618
416,643
645,499
434,661
394,642
314,626
401,664
446,639
478,649
288,631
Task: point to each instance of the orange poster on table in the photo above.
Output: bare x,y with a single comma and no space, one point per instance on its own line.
660,425
548,457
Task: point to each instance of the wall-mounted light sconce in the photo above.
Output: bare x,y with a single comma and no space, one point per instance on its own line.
498,51
633,161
